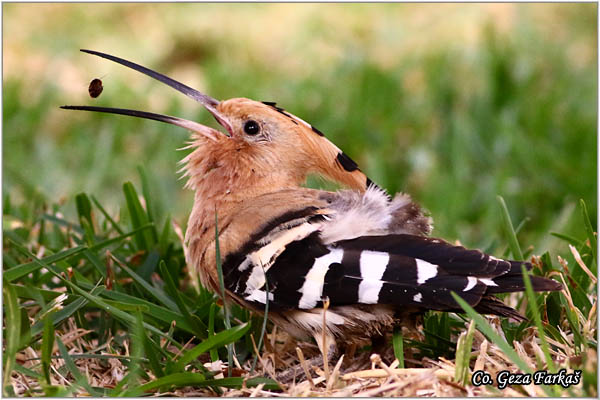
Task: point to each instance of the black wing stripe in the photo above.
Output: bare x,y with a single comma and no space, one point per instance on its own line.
287,275
351,263
399,293
406,270
339,288
343,279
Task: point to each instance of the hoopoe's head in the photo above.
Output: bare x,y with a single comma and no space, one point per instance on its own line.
260,148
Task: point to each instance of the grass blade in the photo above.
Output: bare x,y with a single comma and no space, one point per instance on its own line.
177,380
513,242
157,312
28,292
155,292
573,320
107,216
12,335
26,268
84,210
491,334
200,330
220,339
108,242
263,329
463,355
589,229
151,352
47,344
64,313
214,354
148,200
567,238
94,356
533,306
95,261
398,343
194,379
163,241
28,372
62,222
139,218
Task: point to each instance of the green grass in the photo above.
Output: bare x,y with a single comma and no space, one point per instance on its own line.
454,120
117,284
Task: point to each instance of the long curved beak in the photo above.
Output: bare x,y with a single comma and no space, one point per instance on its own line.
184,123
208,102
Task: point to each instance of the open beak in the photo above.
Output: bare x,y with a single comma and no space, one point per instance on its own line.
208,102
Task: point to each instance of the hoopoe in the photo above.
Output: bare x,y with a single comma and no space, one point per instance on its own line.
366,253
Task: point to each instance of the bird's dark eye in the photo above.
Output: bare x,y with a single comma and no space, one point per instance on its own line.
251,127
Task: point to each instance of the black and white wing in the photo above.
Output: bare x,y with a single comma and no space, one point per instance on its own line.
293,267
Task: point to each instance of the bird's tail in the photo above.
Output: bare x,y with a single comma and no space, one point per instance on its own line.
512,281
493,305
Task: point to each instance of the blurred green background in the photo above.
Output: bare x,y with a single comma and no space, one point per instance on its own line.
452,103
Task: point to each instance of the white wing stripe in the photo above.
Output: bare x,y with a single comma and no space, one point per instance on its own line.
312,289
372,267
488,282
259,296
425,271
471,282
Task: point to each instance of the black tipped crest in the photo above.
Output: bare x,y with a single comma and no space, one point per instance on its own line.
280,110
274,106
346,162
318,132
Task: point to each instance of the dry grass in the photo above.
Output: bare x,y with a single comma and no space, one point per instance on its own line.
435,378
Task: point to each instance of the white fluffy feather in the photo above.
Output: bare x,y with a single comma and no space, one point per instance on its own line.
357,214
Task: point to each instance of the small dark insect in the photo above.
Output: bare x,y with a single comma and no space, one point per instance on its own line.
95,88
